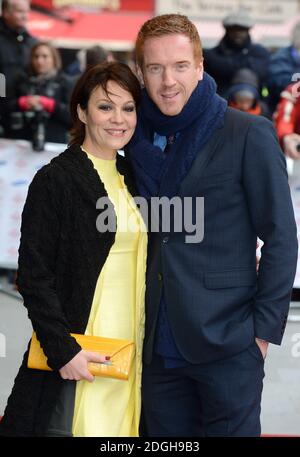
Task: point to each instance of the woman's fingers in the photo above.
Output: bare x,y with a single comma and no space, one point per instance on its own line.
77,368
95,357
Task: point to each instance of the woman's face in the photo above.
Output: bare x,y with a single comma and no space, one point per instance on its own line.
109,121
42,60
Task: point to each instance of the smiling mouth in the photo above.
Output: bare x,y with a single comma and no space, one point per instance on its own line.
169,96
116,132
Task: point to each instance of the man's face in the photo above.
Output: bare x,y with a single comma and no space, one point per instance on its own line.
237,35
170,71
16,16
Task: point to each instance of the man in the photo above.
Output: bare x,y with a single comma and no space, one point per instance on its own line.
235,51
209,316
15,43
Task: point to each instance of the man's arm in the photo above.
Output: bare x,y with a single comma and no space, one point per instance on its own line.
268,197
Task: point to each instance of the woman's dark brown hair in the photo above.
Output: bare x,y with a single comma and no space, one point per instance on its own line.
98,76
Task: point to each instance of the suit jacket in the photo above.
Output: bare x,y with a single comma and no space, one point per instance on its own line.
216,302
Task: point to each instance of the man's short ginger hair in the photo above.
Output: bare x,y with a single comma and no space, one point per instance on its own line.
167,24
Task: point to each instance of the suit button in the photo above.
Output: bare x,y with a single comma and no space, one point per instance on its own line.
165,239
159,276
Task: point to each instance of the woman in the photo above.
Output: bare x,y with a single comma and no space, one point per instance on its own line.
42,95
77,279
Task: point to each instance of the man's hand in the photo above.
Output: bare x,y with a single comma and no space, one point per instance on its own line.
263,346
77,368
290,143
257,257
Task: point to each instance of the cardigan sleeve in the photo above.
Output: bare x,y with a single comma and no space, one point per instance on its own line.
40,231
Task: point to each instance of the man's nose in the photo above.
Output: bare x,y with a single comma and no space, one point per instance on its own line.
168,78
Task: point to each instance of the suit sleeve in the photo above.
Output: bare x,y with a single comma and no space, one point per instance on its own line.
268,197
40,231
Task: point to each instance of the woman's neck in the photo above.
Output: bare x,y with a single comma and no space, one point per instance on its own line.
90,148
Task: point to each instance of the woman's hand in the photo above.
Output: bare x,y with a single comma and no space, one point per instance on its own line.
34,101
77,368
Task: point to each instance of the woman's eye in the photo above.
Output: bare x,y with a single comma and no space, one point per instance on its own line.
129,109
104,107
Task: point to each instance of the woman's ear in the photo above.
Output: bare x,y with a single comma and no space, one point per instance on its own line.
81,114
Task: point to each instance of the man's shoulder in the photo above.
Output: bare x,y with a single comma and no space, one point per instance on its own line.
3,27
243,119
259,48
238,124
282,55
30,39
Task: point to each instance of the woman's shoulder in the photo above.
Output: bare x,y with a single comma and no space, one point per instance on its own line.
52,175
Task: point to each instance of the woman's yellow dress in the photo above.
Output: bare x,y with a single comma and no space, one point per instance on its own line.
111,407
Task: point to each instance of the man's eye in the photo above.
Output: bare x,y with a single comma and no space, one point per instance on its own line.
104,107
154,69
181,66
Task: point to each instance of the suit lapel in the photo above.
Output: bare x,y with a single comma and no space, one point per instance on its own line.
191,180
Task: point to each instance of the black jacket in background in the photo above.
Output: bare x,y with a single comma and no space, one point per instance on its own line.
57,123
14,55
223,61
14,52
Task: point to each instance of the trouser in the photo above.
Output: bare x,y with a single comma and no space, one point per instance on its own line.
220,398
63,411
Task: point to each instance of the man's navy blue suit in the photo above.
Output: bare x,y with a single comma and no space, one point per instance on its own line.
216,302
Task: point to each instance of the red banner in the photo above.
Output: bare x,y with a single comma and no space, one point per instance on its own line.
115,5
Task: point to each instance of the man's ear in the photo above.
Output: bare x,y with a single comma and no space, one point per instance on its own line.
200,69
81,114
140,75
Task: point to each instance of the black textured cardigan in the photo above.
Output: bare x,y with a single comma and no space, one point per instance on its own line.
61,255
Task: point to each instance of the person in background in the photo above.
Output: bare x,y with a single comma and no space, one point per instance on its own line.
284,63
243,94
80,276
287,121
97,54
89,56
15,45
41,94
235,51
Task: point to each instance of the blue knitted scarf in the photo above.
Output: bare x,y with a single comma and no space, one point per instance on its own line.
160,174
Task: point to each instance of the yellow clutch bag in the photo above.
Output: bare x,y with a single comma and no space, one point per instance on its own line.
121,354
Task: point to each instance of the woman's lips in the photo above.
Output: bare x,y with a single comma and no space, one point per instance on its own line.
116,132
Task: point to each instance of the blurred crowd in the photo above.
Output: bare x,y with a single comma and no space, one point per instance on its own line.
38,86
